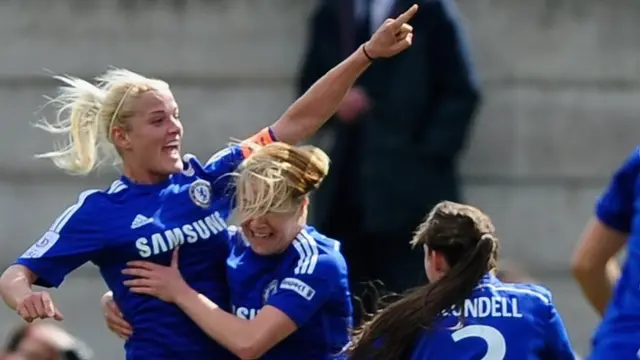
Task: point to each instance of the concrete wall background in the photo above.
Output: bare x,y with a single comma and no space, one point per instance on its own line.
560,80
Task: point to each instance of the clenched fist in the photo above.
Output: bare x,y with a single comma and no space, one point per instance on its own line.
38,305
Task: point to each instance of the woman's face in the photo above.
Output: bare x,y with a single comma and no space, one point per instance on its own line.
154,138
271,233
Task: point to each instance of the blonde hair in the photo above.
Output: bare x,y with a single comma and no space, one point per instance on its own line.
86,114
277,177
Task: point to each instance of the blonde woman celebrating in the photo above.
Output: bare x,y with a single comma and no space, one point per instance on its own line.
289,289
162,200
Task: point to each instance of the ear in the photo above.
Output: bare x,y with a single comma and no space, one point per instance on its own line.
120,138
304,205
439,262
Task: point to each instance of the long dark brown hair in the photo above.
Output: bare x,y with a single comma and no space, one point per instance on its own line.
465,237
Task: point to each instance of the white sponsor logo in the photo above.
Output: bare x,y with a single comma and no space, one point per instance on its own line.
299,287
244,312
43,245
166,241
140,221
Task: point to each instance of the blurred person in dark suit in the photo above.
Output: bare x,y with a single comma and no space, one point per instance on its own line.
44,341
396,140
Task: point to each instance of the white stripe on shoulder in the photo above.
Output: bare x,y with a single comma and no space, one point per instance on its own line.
516,290
336,245
116,186
307,248
62,220
217,156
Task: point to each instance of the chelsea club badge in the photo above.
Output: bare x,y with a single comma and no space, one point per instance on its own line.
200,193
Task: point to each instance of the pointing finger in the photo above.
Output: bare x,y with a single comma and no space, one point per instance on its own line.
406,16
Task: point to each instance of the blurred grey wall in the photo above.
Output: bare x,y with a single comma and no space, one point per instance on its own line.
561,112
561,98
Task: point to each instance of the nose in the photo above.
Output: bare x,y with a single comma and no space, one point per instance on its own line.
254,222
175,126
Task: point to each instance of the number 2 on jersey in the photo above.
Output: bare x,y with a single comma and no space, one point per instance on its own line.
496,345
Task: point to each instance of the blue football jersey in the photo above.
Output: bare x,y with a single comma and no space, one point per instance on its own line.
501,322
130,221
307,282
618,336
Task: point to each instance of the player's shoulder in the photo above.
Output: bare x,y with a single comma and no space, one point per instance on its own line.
632,161
82,215
192,165
536,293
312,243
89,201
635,154
93,202
316,253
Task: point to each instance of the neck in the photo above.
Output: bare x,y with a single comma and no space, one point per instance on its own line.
293,237
143,177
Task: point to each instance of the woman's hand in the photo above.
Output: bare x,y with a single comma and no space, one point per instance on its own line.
164,282
38,305
114,318
392,37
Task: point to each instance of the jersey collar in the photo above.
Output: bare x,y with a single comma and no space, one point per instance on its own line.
146,187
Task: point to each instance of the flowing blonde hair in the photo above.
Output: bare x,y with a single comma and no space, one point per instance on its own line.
277,177
86,114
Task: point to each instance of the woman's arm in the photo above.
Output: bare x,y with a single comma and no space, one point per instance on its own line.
297,299
15,284
594,265
247,339
15,289
307,114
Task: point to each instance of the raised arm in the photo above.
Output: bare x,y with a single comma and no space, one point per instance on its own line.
307,114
